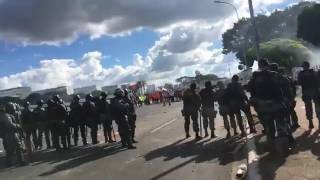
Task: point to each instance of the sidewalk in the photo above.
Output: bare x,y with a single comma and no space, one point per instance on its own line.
301,164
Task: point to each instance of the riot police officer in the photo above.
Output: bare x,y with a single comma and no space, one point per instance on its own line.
78,121
191,106
268,99
208,111
236,100
59,116
29,126
91,119
132,116
119,109
9,132
14,109
105,117
290,92
308,80
221,98
42,124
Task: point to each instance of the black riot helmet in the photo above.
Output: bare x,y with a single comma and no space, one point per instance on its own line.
89,97
104,94
76,97
274,67
208,85
264,64
126,91
56,98
306,65
26,104
193,86
235,78
50,102
119,92
40,102
10,108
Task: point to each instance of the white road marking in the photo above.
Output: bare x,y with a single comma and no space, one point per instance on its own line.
163,125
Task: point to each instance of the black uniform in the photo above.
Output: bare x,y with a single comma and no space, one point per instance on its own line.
119,109
91,119
268,99
58,115
132,116
221,98
77,121
289,88
40,116
208,111
10,135
236,100
191,106
308,81
105,118
29,125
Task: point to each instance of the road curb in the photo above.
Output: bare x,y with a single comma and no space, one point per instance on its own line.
252,156
252,159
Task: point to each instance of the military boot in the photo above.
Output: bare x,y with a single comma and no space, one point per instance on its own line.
213,135
311,126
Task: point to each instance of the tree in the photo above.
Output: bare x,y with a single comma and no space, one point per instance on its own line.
308,25
280,24
286,52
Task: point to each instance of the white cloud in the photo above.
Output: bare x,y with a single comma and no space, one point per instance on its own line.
188,30
57,72
53,22
89,71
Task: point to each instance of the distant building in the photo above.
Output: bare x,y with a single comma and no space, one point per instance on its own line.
168,86
19,92
125,86
85,90
58,90
109,89
151,88
63,91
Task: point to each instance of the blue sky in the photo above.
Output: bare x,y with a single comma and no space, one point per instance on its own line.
16,58
128,42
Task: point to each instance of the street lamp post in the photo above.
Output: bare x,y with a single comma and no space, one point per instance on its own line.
236,10
233,6
256,38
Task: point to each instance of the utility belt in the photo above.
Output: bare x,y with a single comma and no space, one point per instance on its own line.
188,111
209,112
103,117
267,106
224,110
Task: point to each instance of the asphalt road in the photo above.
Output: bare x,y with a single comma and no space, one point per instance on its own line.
162,153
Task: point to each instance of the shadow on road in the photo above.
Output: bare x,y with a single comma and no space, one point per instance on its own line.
219,150
272,157
69,159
